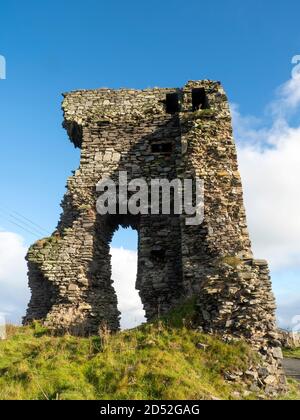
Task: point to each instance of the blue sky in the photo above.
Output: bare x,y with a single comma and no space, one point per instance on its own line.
56,46
52,47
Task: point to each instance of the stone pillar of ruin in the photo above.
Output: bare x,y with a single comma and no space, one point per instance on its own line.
155,133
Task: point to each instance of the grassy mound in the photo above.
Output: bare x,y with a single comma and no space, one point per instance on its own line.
292,353
155,361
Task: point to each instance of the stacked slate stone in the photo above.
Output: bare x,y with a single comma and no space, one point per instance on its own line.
156,133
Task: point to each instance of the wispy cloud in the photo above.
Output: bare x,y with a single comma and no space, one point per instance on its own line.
269,157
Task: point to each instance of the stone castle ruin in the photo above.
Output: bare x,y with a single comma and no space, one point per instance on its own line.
155,133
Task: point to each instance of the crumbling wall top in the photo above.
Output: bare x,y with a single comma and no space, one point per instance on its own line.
119,106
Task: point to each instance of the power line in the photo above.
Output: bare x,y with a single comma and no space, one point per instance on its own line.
24,224
20,215
33,223
24,221
21,227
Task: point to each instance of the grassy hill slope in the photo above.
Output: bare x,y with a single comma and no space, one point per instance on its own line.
156,361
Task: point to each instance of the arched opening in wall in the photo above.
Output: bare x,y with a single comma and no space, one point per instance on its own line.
124,257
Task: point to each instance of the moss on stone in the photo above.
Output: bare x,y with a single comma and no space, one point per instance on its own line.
233,261
85,207
223,174
202,113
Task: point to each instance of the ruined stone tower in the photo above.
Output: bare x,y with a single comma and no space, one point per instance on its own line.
153,133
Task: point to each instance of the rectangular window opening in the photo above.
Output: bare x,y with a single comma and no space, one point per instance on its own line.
172,103
199,99
158,254
165,148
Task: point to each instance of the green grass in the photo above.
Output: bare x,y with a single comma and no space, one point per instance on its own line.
294,391
155,361
292,353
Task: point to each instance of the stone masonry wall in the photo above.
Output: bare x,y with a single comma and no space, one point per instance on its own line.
141,132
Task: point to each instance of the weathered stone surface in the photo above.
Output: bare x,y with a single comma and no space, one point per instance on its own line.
201,346
290,340
131,130
277,353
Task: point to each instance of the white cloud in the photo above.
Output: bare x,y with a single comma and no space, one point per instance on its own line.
289,314
288,95
124,270
13,279
15,295
269,160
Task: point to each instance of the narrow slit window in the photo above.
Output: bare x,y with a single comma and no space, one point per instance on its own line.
165,148
172,103
199,99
